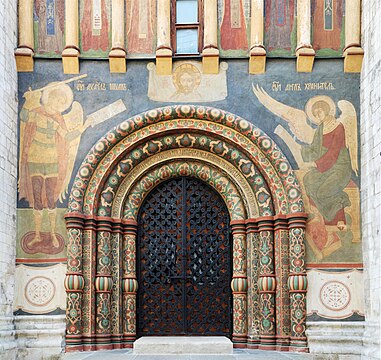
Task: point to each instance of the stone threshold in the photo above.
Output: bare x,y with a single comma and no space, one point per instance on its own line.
177,345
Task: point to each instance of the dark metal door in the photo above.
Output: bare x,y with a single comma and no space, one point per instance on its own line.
184,261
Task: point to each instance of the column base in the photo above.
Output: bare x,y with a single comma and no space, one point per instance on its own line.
353,57
24,59
70,60
305,59
257,62
117,60
164,61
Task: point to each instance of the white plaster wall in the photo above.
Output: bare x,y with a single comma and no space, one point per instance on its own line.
371,174
8,172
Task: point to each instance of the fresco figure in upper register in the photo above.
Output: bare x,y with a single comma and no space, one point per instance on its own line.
328,153
49,142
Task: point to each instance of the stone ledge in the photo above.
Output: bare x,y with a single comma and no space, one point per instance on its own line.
8,345
175,345
338,339
40,337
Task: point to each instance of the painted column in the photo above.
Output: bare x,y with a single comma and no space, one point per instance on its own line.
353,53
25,50
103,284
304,51
282,264
89,239
116,291
297,282
267,283
129,282
70,54
253,314
210,52
74,283
257,63
117,55
239,284
164,48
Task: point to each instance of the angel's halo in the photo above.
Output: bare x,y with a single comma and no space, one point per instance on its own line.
311,102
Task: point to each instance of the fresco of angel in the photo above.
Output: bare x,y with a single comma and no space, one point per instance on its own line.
49,142
51,125
327,147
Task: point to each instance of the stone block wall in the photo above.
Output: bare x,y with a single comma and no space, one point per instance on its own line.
371,174
8,174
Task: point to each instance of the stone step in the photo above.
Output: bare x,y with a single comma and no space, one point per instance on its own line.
176,345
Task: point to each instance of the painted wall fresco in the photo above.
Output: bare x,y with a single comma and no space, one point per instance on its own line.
95,27
328,27
326,150
313,117
49,17
280,27
187,83
234,27
141,26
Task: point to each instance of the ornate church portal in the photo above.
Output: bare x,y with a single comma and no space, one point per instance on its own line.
186,220
184,267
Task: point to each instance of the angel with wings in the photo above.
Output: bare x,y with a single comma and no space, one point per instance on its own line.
326,147
49,140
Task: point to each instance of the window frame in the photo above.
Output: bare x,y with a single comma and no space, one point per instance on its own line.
199,25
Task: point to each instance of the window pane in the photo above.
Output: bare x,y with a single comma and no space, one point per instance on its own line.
186,11
187,41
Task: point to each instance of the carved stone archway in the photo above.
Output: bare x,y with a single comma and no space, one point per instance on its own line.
262,195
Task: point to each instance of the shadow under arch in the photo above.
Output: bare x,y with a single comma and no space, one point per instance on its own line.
269,279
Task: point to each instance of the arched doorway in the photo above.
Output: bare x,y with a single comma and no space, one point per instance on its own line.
184,265
263,198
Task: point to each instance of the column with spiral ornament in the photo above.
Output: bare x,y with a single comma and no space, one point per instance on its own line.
74,283
267,282
129,282
239,283
297,282
253,314
103,284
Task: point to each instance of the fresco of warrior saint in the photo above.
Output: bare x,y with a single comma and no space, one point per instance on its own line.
48,146
51,125
327,156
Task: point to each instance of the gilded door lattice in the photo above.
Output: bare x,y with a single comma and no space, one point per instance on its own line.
184,261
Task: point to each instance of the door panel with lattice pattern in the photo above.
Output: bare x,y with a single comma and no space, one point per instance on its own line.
184,261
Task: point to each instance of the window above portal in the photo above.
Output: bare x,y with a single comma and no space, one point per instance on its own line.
187,26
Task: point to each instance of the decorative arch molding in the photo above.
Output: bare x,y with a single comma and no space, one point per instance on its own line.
269,279
205,172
